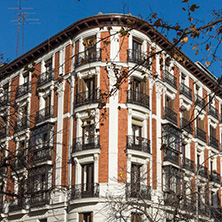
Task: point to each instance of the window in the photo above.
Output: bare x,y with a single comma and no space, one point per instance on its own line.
88,132
212,132
87,90
48,65
200,123
2,126
87,180
86,217
26,77
47,101
90,47
137,134
169,103
136,49
136,217
135,180
138,91
171,179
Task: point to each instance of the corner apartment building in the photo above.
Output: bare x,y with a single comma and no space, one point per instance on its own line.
66,145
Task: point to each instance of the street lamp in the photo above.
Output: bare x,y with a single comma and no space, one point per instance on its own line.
197,174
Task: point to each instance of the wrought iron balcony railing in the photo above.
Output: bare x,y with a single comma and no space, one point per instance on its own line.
141,191
44,78
42,154
88,56
188,164
86,143
171,155
186,91
138,143
186,125
203,171
170,115
170,79
200,134
137,98
40,198
87,97
17,204
44,114
23,89
215,177
213,111
171,198
85,190
21,124
214,142
200,102
136,56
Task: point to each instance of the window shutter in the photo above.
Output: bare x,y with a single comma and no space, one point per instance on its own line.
95,82
80,217
91,217
79,85
132,82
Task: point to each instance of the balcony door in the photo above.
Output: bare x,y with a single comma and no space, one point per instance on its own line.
90,88
87,187
135,180
90,48
137,134
88,132
137,45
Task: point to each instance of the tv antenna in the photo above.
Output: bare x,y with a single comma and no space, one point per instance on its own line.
21,21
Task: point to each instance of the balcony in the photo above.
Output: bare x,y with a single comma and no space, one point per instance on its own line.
200,134
23,89
138,143
170,115
21,124
44,114
186,125
86,143
215,177
171,198
187,164
203,171
85,191
170,79
213,112
17,204
88,56
213,142
136,56
186,91
45,78
171,155
42,154
138,98
200,102
88,97
140,191
40,198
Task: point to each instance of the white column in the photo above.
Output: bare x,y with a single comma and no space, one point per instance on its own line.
59,133
113,131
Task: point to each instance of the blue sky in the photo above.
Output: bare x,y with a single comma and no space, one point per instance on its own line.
55,15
